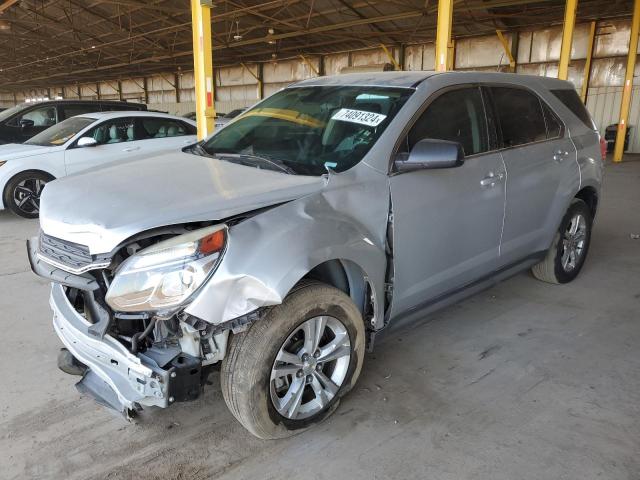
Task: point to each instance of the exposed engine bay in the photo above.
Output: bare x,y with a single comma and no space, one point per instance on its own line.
179,349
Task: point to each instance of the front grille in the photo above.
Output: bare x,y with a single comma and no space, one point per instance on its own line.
68,254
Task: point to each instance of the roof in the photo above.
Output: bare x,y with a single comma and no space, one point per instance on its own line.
377,79
412,79
70,100
133,113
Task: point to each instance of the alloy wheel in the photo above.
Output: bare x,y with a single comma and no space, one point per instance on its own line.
573,242
26,195
310,367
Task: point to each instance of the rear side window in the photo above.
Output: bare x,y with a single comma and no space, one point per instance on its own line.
554,127
154,127
520,114
69,111
572,101
120,107
457,116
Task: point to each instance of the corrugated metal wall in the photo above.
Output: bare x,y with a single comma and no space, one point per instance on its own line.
537,54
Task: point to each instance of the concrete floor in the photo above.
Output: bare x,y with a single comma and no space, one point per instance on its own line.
524,381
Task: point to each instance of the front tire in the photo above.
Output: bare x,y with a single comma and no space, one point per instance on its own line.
22,193
290,369
568,251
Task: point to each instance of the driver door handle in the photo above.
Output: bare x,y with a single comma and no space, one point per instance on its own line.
491,179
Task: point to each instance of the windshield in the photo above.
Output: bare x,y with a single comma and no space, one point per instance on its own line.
61,132
306,130
9,112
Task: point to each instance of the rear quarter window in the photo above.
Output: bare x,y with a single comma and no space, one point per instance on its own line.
571,100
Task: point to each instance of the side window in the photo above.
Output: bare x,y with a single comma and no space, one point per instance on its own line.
69,111
41,117
117,130
457,116
572,101
554,127
119,107
190,129
520,115
155,127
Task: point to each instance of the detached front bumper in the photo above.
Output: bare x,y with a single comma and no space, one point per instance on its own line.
115,377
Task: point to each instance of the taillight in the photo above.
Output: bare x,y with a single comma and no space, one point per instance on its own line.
603,148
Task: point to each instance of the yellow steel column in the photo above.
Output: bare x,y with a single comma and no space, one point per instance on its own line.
587,64
567,37
443,35
203,67
628,83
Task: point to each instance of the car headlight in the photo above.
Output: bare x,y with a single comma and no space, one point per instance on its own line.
163,277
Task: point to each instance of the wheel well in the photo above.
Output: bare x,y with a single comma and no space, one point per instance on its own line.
6,186
348,277
590,197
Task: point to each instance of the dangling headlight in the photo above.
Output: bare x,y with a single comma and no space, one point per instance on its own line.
163,276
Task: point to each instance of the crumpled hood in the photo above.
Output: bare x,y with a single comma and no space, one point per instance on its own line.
10,151
102,207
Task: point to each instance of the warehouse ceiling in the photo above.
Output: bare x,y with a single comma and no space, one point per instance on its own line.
54,42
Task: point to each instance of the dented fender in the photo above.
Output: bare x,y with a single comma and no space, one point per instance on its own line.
267,254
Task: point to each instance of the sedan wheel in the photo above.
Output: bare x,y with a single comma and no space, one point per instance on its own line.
22,193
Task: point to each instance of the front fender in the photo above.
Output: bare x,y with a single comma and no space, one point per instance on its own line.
268,254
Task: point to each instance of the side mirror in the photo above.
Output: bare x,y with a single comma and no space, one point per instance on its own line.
87,142
26,123
431,153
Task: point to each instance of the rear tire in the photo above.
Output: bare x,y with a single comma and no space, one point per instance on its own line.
570,246
267,362
22,193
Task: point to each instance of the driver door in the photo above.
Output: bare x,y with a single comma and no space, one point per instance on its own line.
447,222
116,141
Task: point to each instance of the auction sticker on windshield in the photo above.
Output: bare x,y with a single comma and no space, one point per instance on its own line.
359,116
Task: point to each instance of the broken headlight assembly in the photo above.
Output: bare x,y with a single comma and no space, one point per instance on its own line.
161,278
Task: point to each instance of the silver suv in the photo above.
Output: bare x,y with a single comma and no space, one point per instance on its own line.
279,247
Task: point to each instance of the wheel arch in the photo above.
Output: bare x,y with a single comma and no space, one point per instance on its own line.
3,189
350,278
589,195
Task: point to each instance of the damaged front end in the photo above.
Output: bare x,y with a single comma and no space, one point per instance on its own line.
121,316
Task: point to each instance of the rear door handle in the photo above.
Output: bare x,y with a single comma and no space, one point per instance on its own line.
491,179
559,155
130,149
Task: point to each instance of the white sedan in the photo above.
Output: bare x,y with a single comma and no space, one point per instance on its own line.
82,142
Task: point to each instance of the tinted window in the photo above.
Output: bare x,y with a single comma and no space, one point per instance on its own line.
520,115
41,117
119,107
117,130
152,127
554,127
572,101
69,111
457,116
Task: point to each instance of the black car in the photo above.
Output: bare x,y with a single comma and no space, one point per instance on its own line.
20,123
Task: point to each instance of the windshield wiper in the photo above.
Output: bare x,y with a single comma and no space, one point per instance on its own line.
280,165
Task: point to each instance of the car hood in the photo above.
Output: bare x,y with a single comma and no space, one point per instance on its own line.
102,207
11,151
